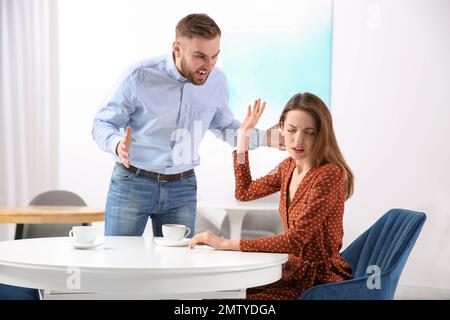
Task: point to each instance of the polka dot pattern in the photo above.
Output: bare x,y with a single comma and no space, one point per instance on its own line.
312,223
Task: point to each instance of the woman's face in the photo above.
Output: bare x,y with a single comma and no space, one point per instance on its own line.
299,131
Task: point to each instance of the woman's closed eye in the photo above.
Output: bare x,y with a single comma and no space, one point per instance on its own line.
309,132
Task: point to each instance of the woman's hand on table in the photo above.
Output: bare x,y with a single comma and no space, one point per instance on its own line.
213,240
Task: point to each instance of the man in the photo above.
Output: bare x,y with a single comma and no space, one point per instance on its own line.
165,105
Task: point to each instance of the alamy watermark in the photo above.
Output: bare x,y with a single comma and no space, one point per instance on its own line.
73,281
374,280
373,18
186,143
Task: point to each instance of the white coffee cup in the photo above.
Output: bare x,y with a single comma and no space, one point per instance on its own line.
175,232
84,234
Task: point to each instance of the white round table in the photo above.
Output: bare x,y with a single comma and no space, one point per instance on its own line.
133,265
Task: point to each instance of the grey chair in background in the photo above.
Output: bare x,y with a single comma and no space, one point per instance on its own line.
202,224
256,224
50,198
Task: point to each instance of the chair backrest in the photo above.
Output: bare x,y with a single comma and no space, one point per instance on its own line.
57,198
386,244
51,198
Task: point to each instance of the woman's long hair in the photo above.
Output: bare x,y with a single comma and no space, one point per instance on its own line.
326,148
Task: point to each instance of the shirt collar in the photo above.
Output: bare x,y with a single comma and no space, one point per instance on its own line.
172,68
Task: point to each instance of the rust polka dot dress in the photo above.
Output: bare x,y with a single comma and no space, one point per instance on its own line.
312,223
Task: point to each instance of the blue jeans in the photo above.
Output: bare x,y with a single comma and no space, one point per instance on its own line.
133,198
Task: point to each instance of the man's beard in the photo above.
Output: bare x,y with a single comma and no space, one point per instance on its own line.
190,75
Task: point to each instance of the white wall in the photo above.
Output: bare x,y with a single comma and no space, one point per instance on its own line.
95,50
390,93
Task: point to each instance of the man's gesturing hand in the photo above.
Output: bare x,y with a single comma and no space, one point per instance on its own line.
123,148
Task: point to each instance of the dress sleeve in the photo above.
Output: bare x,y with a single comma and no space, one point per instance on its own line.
325,194
245,188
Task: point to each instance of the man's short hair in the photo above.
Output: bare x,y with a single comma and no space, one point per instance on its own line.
197,24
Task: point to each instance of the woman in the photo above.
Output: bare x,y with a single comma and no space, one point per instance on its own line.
314,183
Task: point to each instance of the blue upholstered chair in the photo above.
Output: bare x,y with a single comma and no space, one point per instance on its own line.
8,292
377,258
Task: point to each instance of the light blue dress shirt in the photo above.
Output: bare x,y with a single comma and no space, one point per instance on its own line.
168,116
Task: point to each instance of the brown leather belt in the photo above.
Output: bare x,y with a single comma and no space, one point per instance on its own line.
159,176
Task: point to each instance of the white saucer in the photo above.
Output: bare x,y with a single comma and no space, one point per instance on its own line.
170,243
78,245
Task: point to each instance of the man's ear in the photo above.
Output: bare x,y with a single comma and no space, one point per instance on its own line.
176,49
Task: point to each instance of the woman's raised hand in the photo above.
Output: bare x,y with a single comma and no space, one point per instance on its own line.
253,115
249,123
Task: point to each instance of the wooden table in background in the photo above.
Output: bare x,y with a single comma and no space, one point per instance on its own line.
50,214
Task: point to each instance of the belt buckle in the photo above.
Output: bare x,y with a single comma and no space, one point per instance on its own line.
179,177
161,179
